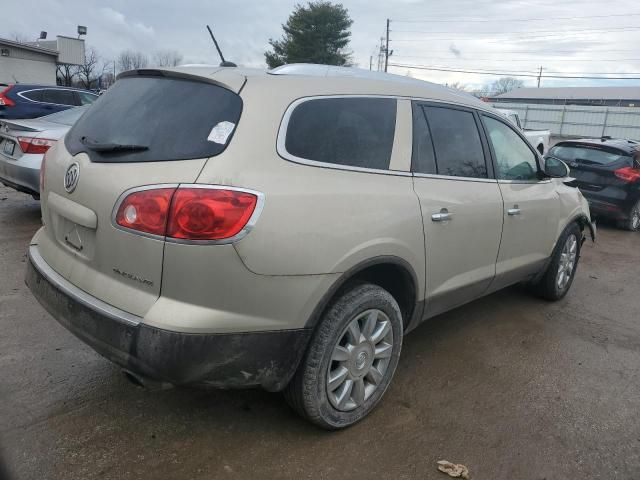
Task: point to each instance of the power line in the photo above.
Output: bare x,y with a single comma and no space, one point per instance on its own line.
555,32
546,52
510,74
512,37
475,20
522,59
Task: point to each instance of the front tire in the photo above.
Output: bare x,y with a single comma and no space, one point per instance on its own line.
633,222
558,278
350,360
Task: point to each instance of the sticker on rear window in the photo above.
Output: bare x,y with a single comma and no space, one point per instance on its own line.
220,133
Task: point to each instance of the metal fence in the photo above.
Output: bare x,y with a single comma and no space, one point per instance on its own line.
578,121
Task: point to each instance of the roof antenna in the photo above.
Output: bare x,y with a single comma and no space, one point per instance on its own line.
224,63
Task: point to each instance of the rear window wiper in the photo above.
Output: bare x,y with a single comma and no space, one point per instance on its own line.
111,147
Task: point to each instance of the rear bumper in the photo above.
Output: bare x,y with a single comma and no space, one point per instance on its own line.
233,360
612,207
23,174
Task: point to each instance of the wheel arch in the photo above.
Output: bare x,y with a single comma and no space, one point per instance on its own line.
584,222
392,273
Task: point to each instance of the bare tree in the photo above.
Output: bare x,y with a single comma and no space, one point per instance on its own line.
65,74
167,58
458,86
88,72
131,59
505,84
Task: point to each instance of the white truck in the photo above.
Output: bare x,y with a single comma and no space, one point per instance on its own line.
538,138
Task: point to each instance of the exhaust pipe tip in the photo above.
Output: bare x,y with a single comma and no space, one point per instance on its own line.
146,382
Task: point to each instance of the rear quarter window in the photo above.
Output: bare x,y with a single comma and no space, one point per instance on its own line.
348,131
172,118
33,95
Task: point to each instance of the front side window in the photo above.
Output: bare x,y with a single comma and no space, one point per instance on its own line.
456,142
350,131
514,158
423,159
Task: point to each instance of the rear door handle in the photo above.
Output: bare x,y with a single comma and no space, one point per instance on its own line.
513,211
442,216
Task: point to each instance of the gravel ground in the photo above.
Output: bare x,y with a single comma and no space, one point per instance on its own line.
509,385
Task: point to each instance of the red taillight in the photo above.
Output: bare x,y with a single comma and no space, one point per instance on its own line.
4,100
146,211
35,145
188,213
628,174
209,214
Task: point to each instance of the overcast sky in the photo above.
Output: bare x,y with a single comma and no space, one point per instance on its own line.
460,34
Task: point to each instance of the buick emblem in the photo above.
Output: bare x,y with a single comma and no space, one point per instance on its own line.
71,177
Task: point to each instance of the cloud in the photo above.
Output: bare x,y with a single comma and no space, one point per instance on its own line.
438,34
118,19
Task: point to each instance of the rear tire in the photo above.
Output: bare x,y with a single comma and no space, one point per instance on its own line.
558,277
633,222
350,360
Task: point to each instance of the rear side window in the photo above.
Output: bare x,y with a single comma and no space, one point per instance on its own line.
355,132
33,95
456,141
146,119
60,97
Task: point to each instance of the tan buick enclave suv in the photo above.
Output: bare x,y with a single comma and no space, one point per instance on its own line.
285,229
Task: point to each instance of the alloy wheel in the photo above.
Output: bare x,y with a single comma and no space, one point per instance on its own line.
567,262
359,360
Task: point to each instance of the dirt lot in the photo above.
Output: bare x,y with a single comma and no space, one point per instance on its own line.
509,385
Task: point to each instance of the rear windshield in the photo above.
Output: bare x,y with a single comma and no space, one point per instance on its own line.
147,119
581,154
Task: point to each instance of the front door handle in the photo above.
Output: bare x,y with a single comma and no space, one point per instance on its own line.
514,211
442,216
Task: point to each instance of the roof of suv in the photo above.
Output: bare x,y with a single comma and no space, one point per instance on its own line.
342,79
623,144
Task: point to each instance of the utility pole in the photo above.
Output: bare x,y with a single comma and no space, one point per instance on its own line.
539,76
386,48
371,62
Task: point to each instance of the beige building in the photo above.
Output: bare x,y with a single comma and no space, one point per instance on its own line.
36,62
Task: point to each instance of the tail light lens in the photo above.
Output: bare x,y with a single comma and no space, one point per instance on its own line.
209,214
146,211
628,174
35,145
4,100
188,213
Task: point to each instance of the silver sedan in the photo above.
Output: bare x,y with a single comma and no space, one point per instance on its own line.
23,144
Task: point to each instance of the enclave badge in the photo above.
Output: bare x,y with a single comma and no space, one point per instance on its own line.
71,177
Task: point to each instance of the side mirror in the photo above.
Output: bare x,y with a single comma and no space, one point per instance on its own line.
555,168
